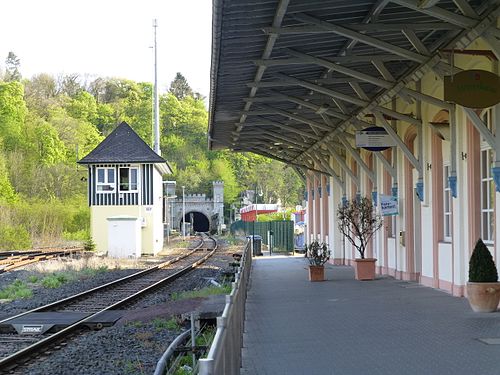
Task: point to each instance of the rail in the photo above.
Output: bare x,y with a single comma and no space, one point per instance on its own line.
10,362
224,356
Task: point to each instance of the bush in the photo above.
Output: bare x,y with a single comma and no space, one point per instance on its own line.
16,290
481,265
317,253
89,245
14,238
55,281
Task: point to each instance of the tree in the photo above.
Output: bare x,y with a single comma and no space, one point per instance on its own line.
41,94
180,87
12,64
12,113
69,84
358,222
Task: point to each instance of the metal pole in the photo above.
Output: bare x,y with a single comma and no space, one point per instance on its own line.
183,214
156,142
167,213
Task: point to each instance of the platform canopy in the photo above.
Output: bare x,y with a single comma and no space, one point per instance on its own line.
294,79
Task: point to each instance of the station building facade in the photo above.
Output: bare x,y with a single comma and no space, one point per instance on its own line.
443,174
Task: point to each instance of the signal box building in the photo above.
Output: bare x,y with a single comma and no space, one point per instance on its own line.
125,195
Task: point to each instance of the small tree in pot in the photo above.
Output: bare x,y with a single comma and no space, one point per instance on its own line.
358,222
317,254
483,289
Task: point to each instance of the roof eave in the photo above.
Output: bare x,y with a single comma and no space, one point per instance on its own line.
216,30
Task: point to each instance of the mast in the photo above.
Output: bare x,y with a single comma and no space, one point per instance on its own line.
156,105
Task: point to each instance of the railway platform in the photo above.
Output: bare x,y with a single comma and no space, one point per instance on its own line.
346,327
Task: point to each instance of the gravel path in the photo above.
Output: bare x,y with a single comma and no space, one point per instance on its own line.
135,343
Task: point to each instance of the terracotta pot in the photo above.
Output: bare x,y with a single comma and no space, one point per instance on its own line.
483,297
364,269
316,273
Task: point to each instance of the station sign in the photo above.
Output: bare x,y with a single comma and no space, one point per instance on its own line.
388,205
374,138
473,88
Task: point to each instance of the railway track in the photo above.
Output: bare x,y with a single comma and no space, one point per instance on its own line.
10,260
41,330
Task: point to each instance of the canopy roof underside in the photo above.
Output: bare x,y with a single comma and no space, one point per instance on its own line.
291,78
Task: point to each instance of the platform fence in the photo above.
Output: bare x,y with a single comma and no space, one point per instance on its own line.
224,356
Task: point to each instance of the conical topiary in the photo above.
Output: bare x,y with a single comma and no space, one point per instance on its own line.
481,265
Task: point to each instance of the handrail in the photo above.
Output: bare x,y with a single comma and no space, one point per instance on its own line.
224,356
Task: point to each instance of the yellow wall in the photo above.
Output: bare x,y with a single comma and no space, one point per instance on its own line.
99,225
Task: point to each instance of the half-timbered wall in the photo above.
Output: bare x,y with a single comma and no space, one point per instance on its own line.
143,195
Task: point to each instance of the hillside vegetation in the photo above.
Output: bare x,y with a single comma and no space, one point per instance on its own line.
48,123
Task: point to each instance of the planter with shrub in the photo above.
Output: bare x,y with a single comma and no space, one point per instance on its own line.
483,288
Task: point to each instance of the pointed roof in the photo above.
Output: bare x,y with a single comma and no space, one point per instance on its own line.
123,145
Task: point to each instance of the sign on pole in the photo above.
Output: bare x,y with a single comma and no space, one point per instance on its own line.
388,205
374,139
473,88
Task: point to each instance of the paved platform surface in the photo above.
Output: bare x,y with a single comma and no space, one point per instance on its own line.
346,327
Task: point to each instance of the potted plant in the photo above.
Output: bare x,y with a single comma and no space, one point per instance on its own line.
358,222
317,254
483,289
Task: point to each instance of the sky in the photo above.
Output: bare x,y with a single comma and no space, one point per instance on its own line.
110,38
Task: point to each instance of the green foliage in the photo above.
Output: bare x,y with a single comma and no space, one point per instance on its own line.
14,238
7,193
33,279
91,272
275,216
171,324
89,245
180,87
44,220
55,280
317,253
205,292
12,113
482,268
135,324
47,124
16,290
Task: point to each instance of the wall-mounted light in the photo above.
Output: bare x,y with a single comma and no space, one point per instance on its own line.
428,166
464,155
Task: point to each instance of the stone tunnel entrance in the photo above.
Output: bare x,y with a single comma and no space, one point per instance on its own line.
199,222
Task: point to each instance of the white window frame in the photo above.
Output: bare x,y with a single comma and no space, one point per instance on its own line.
129,190
447,205
487,204
106,180
488,209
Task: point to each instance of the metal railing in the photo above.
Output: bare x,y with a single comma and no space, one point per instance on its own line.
224,356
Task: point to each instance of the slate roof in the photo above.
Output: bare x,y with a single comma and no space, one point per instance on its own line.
123,145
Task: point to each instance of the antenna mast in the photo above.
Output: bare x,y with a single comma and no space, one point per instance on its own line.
156,106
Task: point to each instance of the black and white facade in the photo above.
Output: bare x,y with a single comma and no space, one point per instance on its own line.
125,194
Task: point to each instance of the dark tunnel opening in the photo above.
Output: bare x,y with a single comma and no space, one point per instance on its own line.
199,221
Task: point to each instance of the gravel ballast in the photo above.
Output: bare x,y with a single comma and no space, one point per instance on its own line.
134,344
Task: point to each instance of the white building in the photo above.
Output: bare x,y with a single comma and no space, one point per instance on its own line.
125,195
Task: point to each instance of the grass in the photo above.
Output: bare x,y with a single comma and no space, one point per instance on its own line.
132,367
171,324
17,290
205,292
135,324
55,280
206,337
53,274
